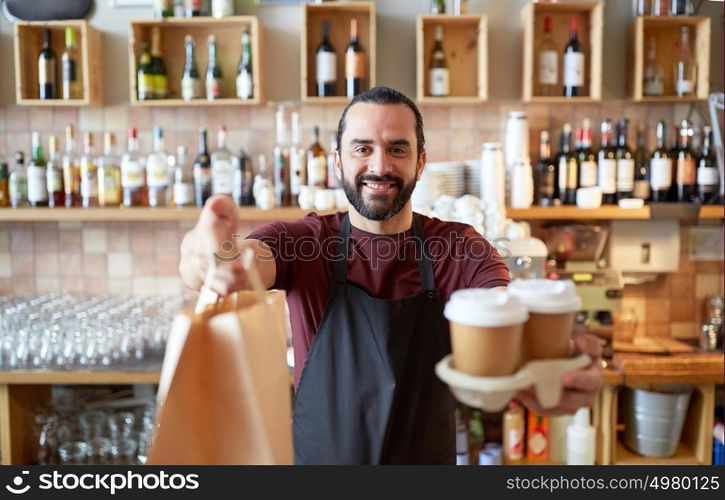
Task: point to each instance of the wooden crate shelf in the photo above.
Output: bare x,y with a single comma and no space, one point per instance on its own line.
339,14
591,28
173,30
465,43
79,377
28,41
665,31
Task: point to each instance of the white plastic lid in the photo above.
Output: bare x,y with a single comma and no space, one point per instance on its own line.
630,203
485,307
581,418
546,296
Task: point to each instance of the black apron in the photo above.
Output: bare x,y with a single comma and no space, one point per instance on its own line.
368,393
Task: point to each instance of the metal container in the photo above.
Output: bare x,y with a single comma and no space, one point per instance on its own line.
654,419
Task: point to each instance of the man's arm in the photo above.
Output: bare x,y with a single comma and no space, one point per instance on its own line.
213,239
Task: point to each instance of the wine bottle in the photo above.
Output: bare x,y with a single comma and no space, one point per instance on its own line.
544,174
37,184
70,70
354,63
244,180
158,68
183,179
573,62
316,162
110,193
245,81
686,170
282,188
607,165
194,8
568,166
641,168
157,172
47,86
213,72
625,162
661,166
548,62
133,174
685,69
438,73
54,175
708,177
18,182
653,84
4,175
144,76
190,85
222,170
89,173
202,172
71,170
587,157
326,64
438,6
163,8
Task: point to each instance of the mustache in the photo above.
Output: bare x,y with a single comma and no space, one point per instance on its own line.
359,180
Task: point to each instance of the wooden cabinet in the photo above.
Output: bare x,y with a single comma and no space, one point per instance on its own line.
465,44
28,41
228,32
591,26
664,32
339,14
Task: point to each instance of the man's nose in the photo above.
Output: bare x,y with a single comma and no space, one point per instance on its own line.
378,162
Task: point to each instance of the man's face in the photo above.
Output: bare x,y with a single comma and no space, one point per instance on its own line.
378,163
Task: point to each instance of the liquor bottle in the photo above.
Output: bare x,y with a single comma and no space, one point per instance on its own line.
71,170
263,188
641,168
18,182
282,188
37,184
70,70
438,73
158,68
190,84
653,84
685,69
568,168
109,174
326,64
133,175
144,76
661,166
222,8
544,174
316,161
194,8
607,165
222,169
475,436
245,81
354,63
202,172
686,168
47,86
4,175
573,62
183,179
54,175
89,173
332,181
625,162
213,71
548,62
587,157
514,432
157,171
438,6
163,8
298,163
708,178
244,180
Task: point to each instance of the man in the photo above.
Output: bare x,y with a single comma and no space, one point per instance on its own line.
365,292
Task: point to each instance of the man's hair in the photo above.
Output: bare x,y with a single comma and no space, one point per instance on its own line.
384,95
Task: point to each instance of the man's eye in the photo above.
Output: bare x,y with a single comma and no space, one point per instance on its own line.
398,151
362,149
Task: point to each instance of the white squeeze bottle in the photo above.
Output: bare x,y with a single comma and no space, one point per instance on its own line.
581,440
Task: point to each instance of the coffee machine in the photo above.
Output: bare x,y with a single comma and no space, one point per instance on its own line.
575,253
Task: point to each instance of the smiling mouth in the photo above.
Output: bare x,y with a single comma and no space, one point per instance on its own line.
380,187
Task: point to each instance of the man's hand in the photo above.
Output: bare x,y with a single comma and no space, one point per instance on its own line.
580,386
217,238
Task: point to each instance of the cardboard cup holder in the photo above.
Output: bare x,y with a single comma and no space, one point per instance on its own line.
492,394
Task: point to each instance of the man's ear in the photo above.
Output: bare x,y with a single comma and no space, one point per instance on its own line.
338,165
421,165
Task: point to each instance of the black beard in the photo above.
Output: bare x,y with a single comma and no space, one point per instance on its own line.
382,212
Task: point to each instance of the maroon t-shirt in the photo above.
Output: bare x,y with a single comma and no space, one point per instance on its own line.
384,266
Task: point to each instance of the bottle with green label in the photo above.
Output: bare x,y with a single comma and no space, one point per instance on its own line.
144,78
18,182
158,68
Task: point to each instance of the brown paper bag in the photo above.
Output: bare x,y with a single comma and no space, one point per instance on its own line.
224,392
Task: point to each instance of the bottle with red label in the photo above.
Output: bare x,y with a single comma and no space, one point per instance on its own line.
354,63
513,433
537,448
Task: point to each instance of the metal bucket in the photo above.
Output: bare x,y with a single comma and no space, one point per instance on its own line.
654,419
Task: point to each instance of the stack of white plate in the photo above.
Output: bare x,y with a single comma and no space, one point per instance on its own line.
428,189
473,177
453,174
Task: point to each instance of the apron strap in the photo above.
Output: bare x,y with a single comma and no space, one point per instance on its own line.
425,265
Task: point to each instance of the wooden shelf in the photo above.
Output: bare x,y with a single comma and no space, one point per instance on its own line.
339,14
683,456
228,31
562,100
712,212
79,377
665,31
28,40
568,212
465,43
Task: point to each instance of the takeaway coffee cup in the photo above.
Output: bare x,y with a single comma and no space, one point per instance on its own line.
486,329
552,306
